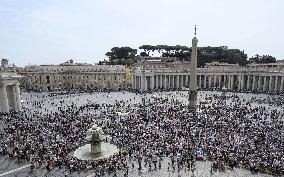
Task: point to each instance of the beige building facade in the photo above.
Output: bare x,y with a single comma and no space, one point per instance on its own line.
155,73
71,75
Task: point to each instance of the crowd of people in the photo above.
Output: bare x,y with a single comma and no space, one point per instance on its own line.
228,133
271,100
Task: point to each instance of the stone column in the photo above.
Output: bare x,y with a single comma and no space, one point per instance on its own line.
197,81
133,82
167,77
171,81
259,83
186,80
174,81
281,84
165,81
225,83
151,82
248,82
182,77
168,81
178,86
253,82
242,81
220,80
142,81
239,82
200,78
276,84
155,81
4,106
161,81
141,87
210,79
214,80
264,84
204,84
146,83
159,84
137,82
18,97
13,97
232,82
270,84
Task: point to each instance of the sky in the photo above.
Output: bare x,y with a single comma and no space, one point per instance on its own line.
53,31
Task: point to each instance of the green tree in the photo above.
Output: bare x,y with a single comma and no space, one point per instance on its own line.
144,54
121,53
146,48
262,59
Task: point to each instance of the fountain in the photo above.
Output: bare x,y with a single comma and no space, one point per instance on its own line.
95,148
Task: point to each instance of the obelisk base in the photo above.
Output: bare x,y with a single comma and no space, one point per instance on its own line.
192,100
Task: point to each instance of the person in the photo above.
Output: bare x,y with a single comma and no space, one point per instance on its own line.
167,130
32,167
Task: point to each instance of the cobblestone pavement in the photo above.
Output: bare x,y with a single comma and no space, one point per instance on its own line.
110,98
50,104
202,170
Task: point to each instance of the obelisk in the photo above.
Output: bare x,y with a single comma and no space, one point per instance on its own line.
193,75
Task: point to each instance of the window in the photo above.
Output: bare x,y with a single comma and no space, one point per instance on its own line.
48,79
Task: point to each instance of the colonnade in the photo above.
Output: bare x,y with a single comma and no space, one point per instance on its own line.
10,99
160,81
230,81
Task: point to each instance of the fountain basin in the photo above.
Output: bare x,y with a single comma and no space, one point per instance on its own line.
85,152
